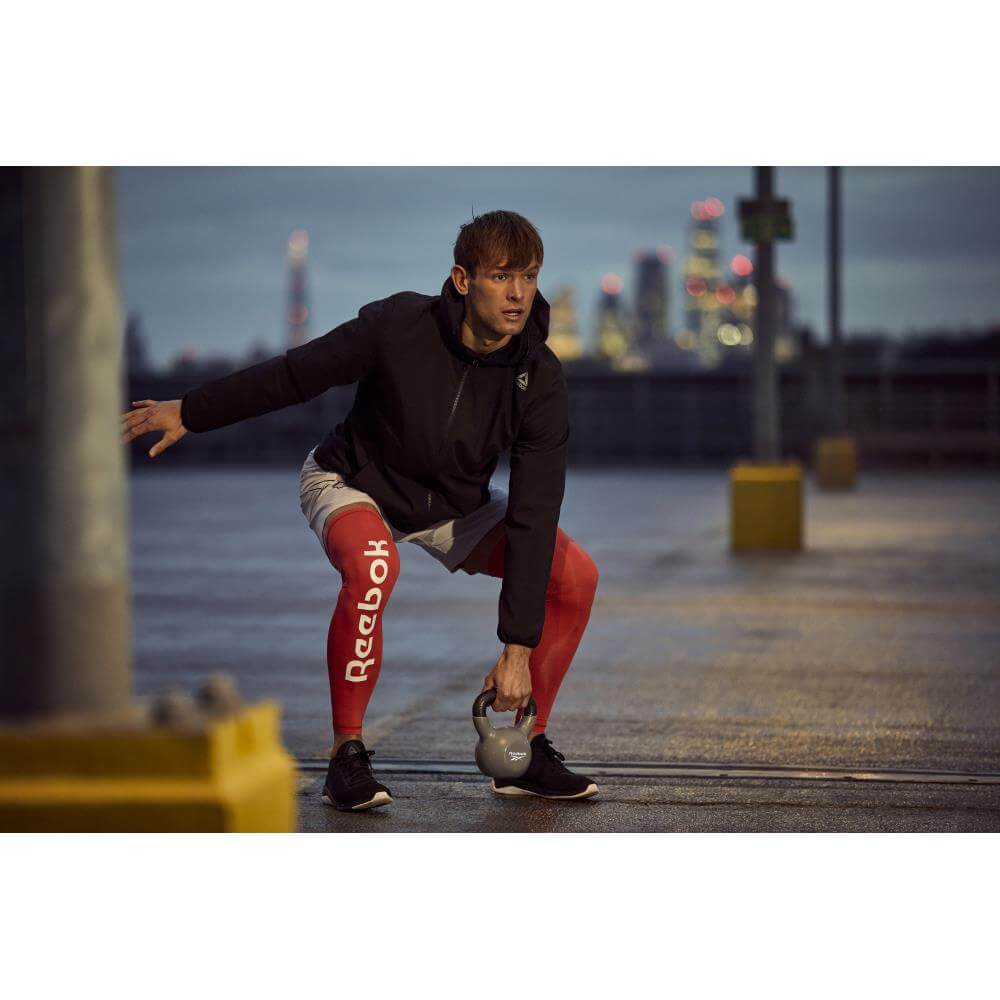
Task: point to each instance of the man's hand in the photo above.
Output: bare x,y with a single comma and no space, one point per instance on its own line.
153,416
511,678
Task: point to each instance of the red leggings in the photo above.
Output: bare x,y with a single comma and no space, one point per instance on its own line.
361,547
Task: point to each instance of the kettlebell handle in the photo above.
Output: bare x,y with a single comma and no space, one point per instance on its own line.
486,699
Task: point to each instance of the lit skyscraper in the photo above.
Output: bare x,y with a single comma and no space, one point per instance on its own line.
702,279
651,303
298,308
564,338
739,318
613,335
652,311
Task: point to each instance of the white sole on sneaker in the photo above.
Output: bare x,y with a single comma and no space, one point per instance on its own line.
379,799
512,791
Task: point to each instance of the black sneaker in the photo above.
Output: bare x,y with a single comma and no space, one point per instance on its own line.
547,776
350,784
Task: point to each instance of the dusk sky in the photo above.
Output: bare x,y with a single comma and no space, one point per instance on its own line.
203,250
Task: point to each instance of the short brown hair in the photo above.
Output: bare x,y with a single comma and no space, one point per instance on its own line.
498,237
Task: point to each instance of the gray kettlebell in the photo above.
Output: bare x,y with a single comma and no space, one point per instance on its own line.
505,752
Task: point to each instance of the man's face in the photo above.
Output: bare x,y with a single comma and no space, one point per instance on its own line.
499,298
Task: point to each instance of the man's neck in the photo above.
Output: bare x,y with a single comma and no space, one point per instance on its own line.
480,344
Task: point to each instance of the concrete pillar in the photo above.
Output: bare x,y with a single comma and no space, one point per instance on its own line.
65,625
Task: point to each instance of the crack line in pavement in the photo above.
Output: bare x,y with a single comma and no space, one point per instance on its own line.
655,769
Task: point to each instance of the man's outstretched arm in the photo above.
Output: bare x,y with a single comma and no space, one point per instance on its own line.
344,355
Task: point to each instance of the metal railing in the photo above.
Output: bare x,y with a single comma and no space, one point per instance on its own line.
927,414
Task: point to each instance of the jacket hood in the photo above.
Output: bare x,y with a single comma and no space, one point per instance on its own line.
450,311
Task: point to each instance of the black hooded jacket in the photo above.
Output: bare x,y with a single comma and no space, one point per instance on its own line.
429,422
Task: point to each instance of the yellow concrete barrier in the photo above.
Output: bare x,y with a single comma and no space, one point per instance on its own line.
765,507
836,463
229,774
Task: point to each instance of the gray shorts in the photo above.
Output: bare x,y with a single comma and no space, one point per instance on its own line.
450,542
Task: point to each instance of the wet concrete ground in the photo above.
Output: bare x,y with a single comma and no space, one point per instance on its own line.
875,647
633,805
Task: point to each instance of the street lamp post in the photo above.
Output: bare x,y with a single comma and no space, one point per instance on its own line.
836,456
766,493
766,433
837,420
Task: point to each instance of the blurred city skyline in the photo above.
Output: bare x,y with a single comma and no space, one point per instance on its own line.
204,250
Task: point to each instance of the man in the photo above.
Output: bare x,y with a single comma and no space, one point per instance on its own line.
446,384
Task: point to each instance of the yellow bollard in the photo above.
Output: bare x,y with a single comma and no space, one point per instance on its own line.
836,463
765,507
229,774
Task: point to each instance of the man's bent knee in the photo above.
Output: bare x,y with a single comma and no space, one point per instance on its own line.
579,576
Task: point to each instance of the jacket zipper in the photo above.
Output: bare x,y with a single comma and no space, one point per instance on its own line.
454,407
